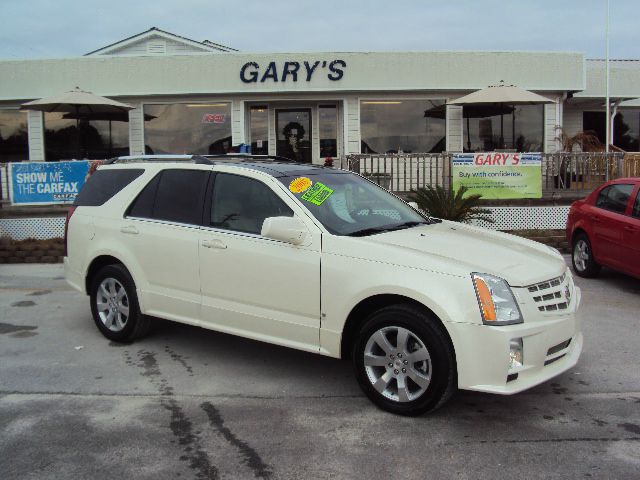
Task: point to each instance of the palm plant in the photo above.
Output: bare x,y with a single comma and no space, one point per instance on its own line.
451,204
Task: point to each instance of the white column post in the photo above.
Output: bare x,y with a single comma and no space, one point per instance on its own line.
35,126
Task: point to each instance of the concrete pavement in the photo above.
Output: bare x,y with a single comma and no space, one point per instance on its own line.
190,403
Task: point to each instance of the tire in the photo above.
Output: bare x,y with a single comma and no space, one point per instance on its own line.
114,305
427,383
582,257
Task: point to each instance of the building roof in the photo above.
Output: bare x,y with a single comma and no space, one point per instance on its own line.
190,46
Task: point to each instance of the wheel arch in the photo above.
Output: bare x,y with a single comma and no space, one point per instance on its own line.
96,264
365,307
581,230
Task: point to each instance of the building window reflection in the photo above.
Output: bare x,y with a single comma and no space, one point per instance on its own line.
495,127
198,128
626,127
328,118
259,125
14,141
95,137
394,126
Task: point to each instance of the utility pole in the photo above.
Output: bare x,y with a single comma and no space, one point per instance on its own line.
608,117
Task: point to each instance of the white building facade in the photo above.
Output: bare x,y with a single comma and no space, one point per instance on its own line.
201,97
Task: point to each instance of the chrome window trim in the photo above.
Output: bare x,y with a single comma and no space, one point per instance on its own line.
164,222
238,233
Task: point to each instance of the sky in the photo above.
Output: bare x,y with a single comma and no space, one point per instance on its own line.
67,28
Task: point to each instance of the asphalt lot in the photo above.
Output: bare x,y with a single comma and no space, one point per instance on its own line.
189,403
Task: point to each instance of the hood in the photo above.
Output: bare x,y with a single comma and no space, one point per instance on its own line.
519,261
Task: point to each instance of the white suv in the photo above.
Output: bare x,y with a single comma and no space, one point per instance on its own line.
325,261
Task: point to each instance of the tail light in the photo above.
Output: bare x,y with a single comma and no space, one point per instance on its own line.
66,227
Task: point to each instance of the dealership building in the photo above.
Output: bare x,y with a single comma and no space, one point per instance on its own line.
202,97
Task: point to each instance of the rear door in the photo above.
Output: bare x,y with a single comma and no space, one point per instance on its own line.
608,220
631,234
161,229
252,285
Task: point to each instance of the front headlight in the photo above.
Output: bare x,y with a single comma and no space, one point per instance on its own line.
496,301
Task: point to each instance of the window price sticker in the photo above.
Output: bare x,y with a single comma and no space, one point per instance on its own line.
317,194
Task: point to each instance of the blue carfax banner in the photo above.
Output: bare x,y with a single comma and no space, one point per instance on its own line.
44,183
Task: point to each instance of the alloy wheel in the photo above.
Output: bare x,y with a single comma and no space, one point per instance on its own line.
112,304
581,255
397,364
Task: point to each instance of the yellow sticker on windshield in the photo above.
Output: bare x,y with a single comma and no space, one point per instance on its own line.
300,184
317,194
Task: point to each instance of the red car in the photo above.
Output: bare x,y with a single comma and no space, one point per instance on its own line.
604,229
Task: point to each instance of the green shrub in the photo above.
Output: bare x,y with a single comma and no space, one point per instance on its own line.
450,204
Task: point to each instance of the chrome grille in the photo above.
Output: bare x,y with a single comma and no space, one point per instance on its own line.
552,295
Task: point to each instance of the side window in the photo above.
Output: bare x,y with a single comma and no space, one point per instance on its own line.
104,184
635,212
615,197
142,206
174,196
242,203
601,201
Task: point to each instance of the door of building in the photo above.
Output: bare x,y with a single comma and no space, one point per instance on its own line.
293,134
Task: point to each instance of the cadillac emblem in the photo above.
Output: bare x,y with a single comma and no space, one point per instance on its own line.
567,294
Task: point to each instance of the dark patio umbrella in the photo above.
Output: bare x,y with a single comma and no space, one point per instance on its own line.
79,103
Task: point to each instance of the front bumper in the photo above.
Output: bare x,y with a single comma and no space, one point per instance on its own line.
483,353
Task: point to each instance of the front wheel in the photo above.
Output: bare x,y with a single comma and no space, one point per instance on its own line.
582,257
404,361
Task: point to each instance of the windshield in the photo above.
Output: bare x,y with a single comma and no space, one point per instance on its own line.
347,204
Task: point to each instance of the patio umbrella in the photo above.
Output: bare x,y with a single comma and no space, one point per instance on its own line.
79,103
502,95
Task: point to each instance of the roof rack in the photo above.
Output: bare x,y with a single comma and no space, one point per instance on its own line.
248,156
158,158
197,159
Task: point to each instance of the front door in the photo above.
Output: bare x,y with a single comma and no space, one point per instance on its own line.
293,133
252,285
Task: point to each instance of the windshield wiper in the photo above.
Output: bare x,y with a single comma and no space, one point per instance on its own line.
385,228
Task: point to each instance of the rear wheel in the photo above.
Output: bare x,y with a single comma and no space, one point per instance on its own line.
403,361
582,257
114,305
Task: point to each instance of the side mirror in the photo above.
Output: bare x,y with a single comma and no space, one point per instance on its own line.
285,229
414,205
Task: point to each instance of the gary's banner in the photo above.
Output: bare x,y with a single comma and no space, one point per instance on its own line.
45,183
499,175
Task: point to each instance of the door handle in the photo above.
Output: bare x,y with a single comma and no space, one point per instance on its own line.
595,218
219,244
130,229
629,228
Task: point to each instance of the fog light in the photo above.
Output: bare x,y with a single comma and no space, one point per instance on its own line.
516,358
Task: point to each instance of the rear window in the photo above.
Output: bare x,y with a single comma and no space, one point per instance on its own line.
103,185
172,195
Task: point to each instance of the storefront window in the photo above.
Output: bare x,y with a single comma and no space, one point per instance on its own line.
203,128
14,142
519,128
626,128
328,131
259,121
392,126
67,137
